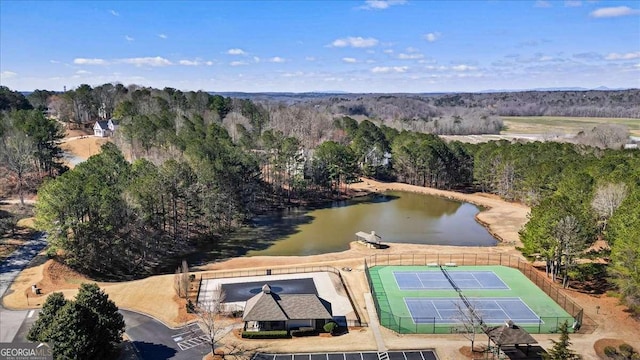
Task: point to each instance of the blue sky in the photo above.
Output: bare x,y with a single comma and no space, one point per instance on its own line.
298,46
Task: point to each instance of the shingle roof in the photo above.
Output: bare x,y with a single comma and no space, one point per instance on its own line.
509,335
103,124
268,306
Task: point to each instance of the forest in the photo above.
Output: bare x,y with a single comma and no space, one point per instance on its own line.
187,167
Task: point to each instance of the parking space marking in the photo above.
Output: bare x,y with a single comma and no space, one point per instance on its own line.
191,343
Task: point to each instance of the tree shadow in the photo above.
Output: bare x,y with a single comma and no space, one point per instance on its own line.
153,351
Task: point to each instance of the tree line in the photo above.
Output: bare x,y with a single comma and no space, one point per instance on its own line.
29,145
202,164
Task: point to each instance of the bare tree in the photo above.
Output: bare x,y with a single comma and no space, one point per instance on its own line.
17,153
209,312
570,241
607,199
181,280
469,318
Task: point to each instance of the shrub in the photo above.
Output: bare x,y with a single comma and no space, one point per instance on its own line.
191,308
304,332
273,334
330,327
626,350
610,351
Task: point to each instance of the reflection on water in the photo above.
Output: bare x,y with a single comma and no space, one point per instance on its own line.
398,217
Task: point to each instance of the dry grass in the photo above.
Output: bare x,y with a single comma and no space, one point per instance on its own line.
562,124
84,147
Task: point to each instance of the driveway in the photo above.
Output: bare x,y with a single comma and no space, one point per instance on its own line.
9,269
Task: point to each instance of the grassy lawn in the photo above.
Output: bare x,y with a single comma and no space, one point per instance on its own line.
560,124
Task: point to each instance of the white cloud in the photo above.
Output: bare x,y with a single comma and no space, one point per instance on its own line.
189,62
147,61
277,59
412,50
463,67
236,51
542,4
256,59
573,3
310,58
413,56
388,69
54,61
381,4
208,63
162,36
8,74
85,61
432,36
83,72
237,63
349,60
356,42
114,13
637,65
294,74
615,11
388,51
627,56
128,38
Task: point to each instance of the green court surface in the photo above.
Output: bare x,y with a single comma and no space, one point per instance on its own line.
395,315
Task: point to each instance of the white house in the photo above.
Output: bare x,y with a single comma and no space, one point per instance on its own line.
113,125
101,128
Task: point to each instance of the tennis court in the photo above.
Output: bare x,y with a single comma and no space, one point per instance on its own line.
422,299
491,310
436,280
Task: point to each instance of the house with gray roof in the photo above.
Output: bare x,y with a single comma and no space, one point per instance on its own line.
101,128
270,311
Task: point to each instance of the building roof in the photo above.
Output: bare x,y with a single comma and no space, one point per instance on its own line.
509,334
114,121
103,124
372,238
269,306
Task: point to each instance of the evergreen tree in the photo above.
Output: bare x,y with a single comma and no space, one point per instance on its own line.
560,349
87,328
41,329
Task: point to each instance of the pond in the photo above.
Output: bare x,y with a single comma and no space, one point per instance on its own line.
398,217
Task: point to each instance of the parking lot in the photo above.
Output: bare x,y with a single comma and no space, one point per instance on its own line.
392,355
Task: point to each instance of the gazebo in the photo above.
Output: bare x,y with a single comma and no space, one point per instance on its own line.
508,338
371,240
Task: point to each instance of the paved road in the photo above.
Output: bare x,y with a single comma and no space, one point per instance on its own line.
9,269
156,341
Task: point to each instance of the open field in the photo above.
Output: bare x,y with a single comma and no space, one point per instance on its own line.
560,125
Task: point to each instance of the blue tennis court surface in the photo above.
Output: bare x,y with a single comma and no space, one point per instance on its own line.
436,280
491,310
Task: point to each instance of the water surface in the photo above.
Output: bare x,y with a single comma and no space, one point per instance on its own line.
398,217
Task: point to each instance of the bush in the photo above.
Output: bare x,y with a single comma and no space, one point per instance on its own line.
304,332
191,308
330,327
626,350
273,334
610,351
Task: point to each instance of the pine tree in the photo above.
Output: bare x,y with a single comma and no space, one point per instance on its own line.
560,349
